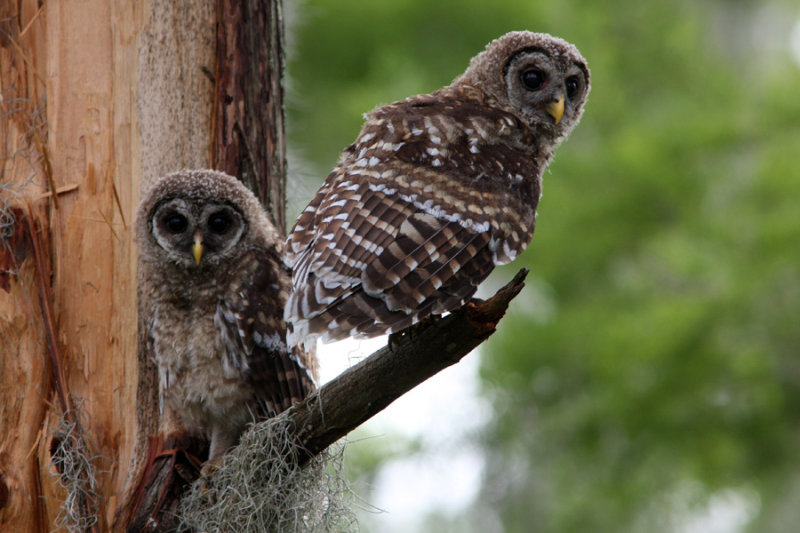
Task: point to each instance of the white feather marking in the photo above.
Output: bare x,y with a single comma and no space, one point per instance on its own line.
437,211
429,126
336,281
511,254
305,309
381,187
505,256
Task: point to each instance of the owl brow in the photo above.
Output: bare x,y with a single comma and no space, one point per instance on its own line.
159,205
527,50
583,69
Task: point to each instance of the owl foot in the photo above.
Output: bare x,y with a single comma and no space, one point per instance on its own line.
412,331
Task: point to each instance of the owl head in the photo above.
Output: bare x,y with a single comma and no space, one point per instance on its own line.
200,219
541,79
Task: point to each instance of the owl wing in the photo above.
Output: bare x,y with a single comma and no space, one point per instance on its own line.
377,263
253,329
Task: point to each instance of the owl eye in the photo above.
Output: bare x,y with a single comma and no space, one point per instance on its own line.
532,79
219,223
572,86
176,223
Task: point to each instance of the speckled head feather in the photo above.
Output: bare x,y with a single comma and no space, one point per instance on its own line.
489,70
199,186
436,190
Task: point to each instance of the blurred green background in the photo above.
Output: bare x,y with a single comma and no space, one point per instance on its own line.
648,377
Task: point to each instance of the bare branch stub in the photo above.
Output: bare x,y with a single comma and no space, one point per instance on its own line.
371,385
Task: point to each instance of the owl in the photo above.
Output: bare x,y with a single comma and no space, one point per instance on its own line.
212,288
436,190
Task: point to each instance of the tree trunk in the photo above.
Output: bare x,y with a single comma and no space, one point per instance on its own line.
98,98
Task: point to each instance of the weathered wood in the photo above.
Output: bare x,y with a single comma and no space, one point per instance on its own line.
24,387
87,111
25,384
91,73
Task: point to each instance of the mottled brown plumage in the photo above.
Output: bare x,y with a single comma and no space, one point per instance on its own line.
436,191
212,288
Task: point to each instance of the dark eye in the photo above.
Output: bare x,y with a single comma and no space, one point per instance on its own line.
572,86
176,223
219,223
532,79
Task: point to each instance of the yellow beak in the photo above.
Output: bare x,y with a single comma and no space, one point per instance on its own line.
556,108
197,247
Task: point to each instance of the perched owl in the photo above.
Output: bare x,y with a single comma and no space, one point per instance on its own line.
212,288
436,190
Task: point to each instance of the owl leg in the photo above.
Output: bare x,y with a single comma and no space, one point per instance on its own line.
222,437
221,440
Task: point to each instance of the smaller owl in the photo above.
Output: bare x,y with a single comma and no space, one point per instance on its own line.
212,288
436,190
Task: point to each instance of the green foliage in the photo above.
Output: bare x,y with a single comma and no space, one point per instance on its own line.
654,365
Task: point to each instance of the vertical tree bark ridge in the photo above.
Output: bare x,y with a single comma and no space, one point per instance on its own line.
89,65
248,122
25,377
175,96
24,367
